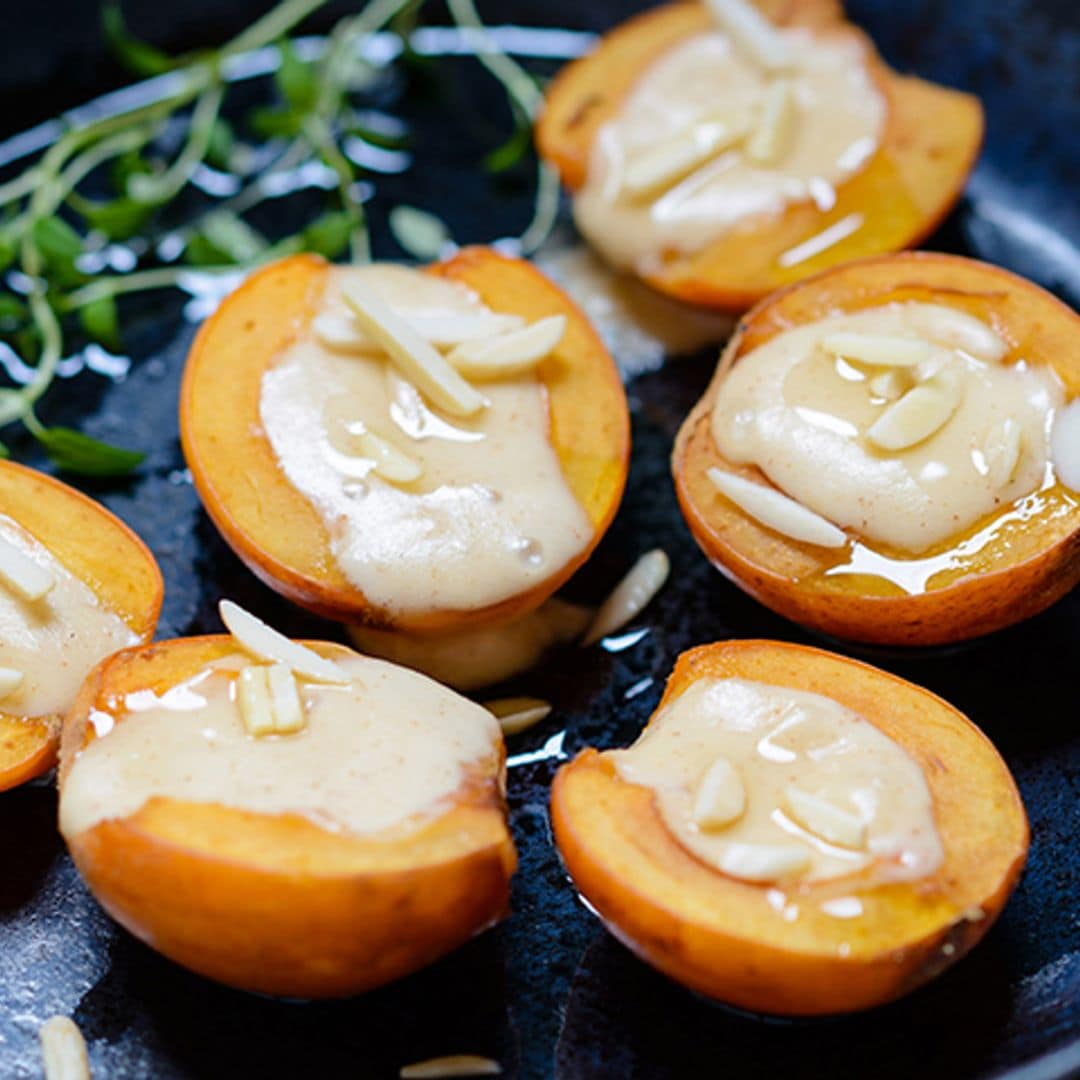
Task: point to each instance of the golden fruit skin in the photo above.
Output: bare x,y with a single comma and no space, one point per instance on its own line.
718,935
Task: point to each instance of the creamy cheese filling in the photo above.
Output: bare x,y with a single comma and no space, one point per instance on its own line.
56,640
680,103
389,749
810,417
486,512
771,784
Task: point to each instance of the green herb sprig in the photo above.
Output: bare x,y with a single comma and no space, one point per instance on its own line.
53,214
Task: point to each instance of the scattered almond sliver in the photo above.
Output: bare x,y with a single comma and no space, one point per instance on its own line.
1002,450
921,412
253,699
890,385
1065,445
772,138
390,463
265,643
509,354
721,798
451,1065
763,862
753,33
22,575
518,714
631,596
778,512
285,700
63,1050
417,359
822,818
881,350
658,168
343,333
10,681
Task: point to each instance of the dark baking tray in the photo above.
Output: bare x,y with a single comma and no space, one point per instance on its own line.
549,993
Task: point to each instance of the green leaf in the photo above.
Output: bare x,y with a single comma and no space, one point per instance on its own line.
136,55
274,123
9,249
125,167
101,322
118,219
329,234
201,252
220,148
422,235
13,313
4,451
227,232
511,152
75,452
56,239
295,79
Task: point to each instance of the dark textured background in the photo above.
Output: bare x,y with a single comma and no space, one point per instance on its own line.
549,993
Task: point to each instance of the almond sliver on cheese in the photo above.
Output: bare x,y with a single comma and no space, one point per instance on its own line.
417,359
509,354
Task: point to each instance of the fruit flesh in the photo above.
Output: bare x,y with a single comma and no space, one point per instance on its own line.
275,903
898,199
1029,564
98,549
721,936
274,528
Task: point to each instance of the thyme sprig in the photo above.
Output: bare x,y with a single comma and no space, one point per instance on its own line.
131,178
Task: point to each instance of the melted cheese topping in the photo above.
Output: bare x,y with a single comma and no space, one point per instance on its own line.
54,641
801,414
839,116
489,516
391,749
776,738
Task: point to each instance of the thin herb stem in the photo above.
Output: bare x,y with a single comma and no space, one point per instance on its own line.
274,24
164,277
166,185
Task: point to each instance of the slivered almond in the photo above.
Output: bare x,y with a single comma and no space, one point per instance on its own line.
253,697
418,360
265,643
1065,445
450,1065
1002,448
517,714
509,354
921,412
285,700
956,329
10,681
880,350
778,512
63,1050
776,128
631,596
390,463
22,575
825,819
763,862
753,33
658,168
720,799
890,385
343,333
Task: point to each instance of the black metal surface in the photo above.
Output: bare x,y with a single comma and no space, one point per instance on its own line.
549,993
